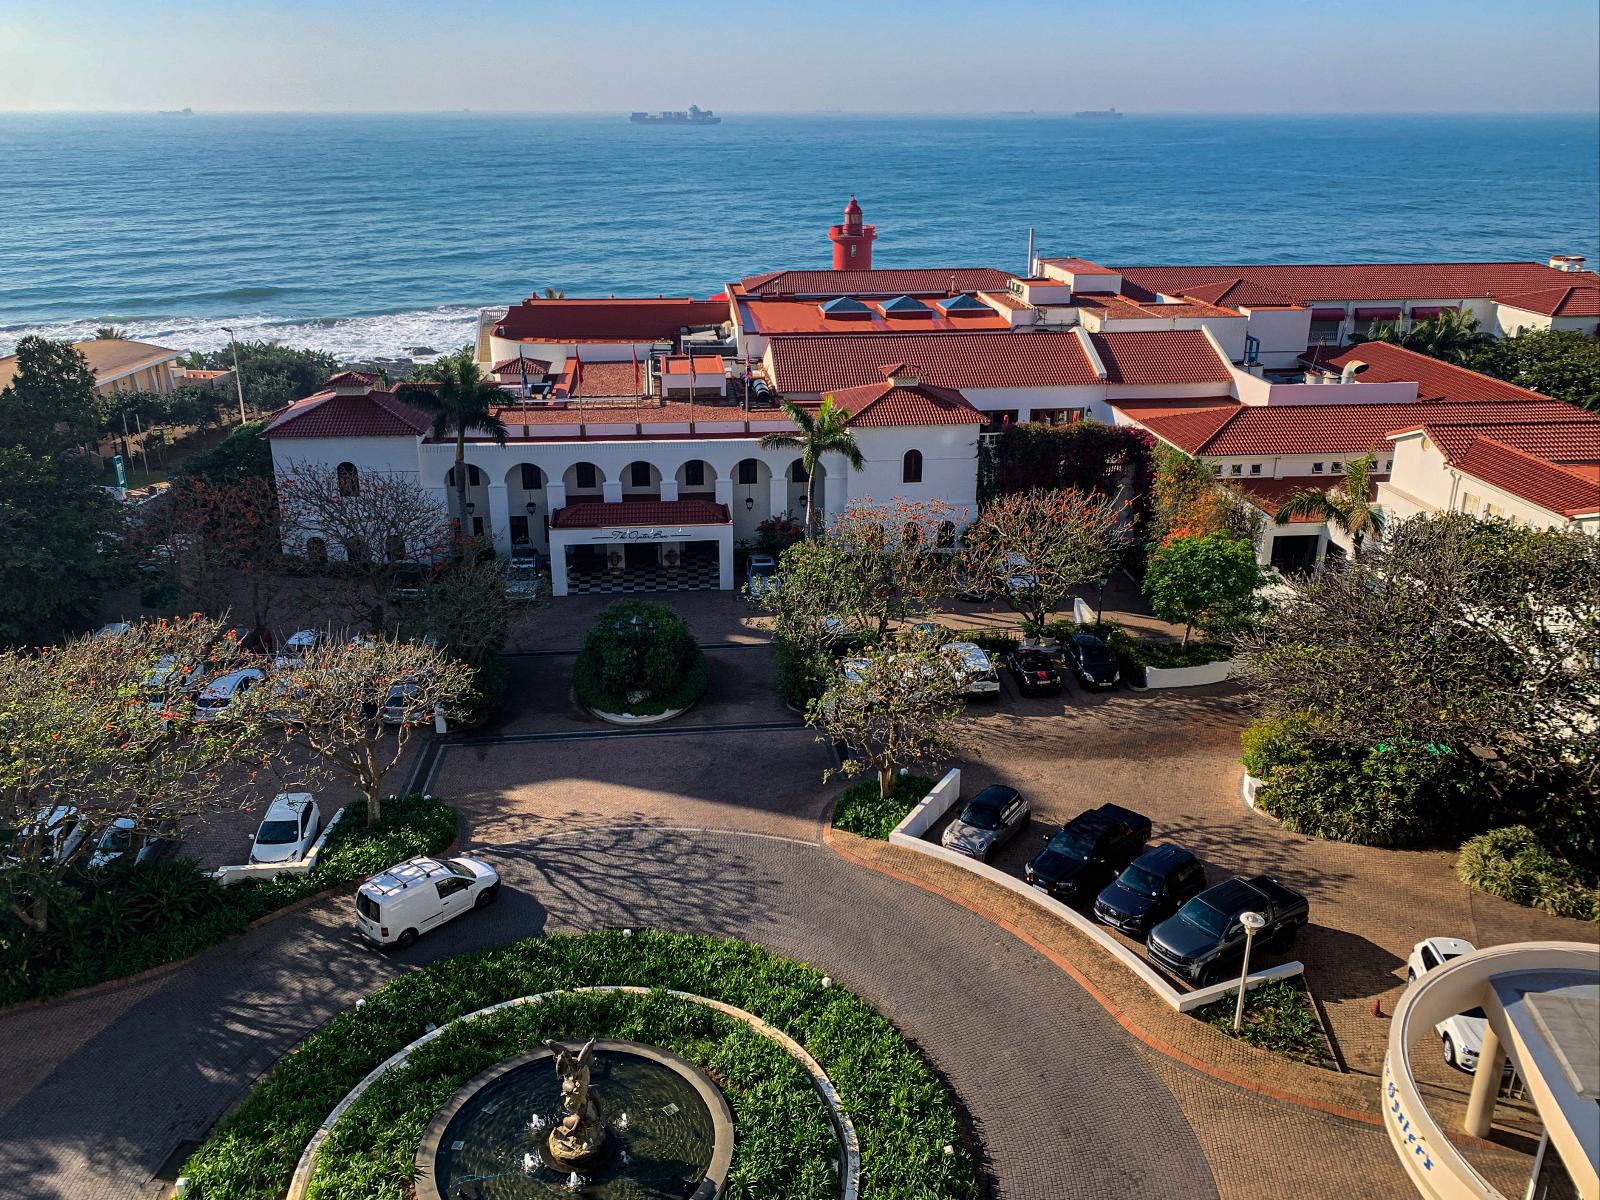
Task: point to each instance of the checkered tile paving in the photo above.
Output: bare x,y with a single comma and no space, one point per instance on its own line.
689,577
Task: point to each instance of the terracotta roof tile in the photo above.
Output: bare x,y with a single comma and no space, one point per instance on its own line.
789,316
1570,491
1569,439
345,379
882,282
1161,357
1435,380
885,403
1578,300
626,320
330,415
1269,494
513,366
595,514
953,360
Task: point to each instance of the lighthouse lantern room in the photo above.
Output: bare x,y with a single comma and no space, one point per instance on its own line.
852,241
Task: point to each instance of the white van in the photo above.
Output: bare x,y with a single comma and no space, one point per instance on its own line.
396,907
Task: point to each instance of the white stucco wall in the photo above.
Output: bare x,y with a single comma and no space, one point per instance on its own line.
1284,334
1423,482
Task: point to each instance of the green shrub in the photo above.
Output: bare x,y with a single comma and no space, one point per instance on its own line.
1510,863
487,694
992,643
862,810
801,677
641,659
1392,794
1279,1017
114,923
1270,742
903,1115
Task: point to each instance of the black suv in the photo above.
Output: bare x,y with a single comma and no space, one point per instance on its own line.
1093,662
1150,889
1082,856
1206,937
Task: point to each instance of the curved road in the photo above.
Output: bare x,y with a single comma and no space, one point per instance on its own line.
98,1092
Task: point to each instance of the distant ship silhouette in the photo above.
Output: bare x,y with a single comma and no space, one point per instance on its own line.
1098,114
177,112
695,116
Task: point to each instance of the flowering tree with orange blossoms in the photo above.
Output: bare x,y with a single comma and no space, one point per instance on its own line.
220,542
1031,548
894,554
101,728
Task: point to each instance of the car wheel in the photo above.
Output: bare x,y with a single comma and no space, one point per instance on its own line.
406,940
1450,1051
487,896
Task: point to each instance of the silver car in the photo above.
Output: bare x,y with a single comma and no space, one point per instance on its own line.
990,820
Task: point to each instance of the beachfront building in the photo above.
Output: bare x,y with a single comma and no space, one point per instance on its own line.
634,456
119,365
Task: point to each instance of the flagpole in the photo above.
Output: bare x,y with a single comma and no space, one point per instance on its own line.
691,391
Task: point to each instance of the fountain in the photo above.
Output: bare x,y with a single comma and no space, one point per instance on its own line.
613,1121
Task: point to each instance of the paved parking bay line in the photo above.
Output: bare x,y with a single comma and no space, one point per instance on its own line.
573,653
580,735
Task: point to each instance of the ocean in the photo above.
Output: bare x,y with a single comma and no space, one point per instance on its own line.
383,235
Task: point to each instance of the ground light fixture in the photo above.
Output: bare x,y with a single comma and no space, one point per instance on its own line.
1252,922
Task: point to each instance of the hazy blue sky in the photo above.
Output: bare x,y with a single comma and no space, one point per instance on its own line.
871,56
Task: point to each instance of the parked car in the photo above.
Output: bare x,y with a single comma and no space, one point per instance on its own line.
59,830
974,668
243,639
288,830
1206,937
762,572
397,906
123,843
524,583
1034,672
1084,854
989,820
1462,1034
298,646
1150,889
1092,661
216,697
399,706
167,677
405,581
114,629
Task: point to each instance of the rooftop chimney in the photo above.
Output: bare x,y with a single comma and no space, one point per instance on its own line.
1567,262
1351,369
900,375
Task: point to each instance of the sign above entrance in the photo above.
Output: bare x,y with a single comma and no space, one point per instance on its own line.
670,534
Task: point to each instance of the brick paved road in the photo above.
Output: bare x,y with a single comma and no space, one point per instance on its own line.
1065,1102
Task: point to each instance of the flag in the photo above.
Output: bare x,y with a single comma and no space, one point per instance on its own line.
522,366
637,390
691,389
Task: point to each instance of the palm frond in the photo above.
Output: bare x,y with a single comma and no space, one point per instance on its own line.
1309,502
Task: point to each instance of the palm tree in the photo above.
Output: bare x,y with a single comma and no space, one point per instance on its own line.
110,333
826,431
551,293
1452,336
1346,507
459,398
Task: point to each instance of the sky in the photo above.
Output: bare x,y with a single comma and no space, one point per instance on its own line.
879,56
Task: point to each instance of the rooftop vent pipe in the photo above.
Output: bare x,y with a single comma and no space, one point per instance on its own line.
1351,369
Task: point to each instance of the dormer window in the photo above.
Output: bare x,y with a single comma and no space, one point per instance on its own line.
1255,468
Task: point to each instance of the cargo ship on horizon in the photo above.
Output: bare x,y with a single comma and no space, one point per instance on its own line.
695,116
1098,114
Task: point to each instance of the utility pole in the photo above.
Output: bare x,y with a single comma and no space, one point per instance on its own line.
238,379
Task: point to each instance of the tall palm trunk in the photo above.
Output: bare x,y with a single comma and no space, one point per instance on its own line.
461,483
811,503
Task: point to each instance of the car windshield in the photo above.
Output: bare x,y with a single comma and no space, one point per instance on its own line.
981,816
1140,881
115,840
761,568
210,701
1035,662
278,833
1477,1014
1202,916
1074,843
457,867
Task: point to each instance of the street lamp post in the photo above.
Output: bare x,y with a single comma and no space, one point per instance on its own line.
1252,922
238,379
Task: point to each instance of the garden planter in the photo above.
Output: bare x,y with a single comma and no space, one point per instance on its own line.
1200,676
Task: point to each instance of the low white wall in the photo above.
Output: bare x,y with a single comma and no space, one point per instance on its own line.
944,797
1081,612
242,871
1172,677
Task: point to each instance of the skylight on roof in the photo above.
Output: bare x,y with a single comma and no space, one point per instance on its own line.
905,306
845,306
964,303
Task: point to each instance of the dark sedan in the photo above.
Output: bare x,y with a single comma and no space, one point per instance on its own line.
1150,889
1034,672
1092,661
1083,856
1207,936
989,821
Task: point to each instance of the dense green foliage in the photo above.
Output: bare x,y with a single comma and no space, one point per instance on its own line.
641,659
864,811
112,923
1453,335
1511,863
273,375
1279,1017
802,675
1562,363
903,1116
1206,582
240,456
59,532
1085,455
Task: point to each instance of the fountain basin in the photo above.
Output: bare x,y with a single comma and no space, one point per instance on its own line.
669,1132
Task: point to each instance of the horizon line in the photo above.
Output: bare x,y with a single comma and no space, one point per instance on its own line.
190,110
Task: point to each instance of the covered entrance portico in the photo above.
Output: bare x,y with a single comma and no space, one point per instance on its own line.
641,545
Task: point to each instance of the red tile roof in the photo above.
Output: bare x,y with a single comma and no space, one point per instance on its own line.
1265,430
1311,282
1241,293
1161,356
346,379
972,360
513,366
787,316
594,514
601,379
930,281
1188,428
1113,307
1577,300
705,365
330,415
1572,491
1269,494
1079,266
628,320
1571,438
886,403
1435,380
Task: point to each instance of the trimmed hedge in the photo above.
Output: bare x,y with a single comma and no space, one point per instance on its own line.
903,1115
661,661
125,920
1512,864
1278,1016
863,811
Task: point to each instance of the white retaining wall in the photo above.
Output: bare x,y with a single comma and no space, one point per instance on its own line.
944,796
242,871
1173,677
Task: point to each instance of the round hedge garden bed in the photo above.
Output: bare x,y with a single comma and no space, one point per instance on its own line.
639,661
785,1146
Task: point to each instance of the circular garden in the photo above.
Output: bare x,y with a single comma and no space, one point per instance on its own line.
639,661
785,1143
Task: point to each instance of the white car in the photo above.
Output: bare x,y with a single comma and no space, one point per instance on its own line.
523,577
975,669
60,831
288,830
215,698
122,839
1461,1034
400,705
763,573
297,647
399,905
165,677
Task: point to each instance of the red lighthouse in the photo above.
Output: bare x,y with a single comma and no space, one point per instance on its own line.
852,241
